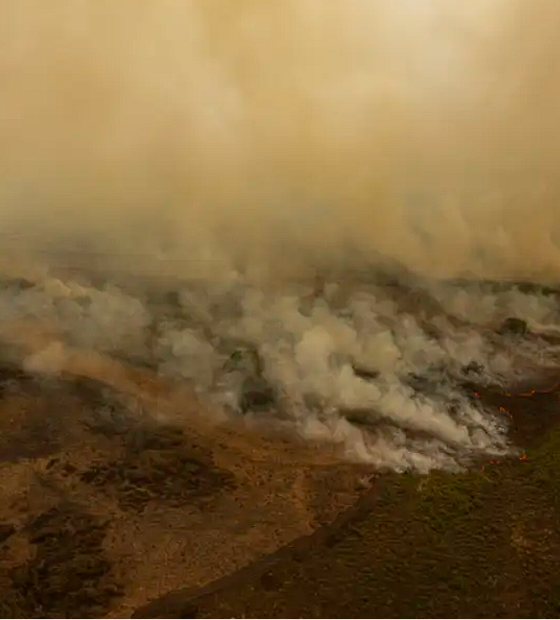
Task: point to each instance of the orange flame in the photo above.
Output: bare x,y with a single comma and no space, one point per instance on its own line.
549,390
505,412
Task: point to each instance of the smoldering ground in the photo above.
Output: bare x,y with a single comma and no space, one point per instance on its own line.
384,370
233,151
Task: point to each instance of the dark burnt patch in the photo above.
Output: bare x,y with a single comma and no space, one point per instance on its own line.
41,416
529,411
365,418
159,464
68,575
16,285
499,286
6,531
14,380
27,428
513,326
107,413
257,395
367,374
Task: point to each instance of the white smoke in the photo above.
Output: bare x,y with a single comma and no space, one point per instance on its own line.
386,385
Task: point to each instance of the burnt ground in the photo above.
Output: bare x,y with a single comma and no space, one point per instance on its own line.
485,543
103,508
108,512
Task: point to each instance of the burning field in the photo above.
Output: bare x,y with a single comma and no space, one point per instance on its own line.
159,438
279,307
387,369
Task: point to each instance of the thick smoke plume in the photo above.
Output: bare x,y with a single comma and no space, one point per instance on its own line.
422,129
256,158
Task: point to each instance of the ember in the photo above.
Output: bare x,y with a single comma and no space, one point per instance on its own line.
488,464
505,412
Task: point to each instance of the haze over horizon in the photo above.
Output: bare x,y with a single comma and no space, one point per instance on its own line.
421,130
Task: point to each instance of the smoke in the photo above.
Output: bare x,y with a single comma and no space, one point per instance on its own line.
380,370
218,131
248,145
